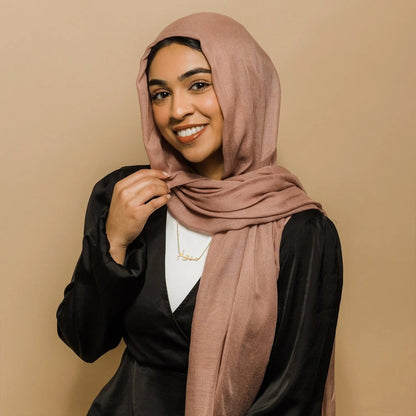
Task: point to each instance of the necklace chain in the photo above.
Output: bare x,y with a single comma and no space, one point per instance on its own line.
181,253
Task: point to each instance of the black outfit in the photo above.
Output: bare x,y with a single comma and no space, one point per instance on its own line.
106,301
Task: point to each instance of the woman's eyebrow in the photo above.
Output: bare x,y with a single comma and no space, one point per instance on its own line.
194,71
157,82
187,74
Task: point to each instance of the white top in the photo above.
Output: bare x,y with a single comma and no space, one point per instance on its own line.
182,275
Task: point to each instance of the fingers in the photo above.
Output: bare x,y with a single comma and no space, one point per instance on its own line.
141,186
148,188
142,173
144,190
156,203
134,199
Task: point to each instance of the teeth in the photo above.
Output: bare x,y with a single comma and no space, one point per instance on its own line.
189,132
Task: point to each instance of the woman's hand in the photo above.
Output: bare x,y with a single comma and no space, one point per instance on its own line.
134,199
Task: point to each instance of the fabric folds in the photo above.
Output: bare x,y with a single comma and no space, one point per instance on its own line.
157,340
236,308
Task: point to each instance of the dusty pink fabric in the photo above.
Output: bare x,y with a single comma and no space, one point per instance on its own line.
236,309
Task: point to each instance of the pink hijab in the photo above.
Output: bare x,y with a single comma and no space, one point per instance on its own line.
235,315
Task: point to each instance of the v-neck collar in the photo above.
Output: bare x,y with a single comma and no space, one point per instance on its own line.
179,317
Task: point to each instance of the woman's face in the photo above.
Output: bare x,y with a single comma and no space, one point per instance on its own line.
185,107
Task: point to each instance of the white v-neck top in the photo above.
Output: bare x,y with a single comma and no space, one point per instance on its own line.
182,275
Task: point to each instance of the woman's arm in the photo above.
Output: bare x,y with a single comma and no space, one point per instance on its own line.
309,293
90,315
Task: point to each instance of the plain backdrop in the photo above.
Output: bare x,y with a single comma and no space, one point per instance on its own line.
69,115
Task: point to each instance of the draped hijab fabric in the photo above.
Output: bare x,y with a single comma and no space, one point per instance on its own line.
235,315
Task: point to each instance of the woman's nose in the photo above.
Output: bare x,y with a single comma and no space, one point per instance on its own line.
181,106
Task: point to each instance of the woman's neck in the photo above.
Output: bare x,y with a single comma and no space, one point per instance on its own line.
212,167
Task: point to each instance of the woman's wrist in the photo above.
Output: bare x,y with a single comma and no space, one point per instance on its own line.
118,253
117,250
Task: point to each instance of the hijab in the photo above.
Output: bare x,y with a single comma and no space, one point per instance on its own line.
235,315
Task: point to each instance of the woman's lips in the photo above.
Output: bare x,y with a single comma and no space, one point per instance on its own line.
189,134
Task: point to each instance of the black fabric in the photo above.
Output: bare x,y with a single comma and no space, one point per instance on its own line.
106,301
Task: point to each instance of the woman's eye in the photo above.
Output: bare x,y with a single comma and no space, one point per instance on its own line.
200,85
159,95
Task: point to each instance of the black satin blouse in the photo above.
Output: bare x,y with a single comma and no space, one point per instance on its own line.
106,301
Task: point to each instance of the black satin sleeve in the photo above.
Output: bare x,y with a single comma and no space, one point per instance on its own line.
309,294
90,316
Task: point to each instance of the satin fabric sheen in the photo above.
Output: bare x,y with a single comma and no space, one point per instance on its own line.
236,308
105,302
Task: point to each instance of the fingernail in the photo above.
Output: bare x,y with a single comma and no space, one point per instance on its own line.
168,196
166,174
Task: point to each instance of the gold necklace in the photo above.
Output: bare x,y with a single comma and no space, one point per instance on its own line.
181,253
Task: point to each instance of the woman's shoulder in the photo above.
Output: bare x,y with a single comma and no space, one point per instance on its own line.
310,227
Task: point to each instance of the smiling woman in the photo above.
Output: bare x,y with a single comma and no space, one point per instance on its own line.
222,276
185,107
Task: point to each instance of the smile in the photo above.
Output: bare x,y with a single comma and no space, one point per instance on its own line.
189,134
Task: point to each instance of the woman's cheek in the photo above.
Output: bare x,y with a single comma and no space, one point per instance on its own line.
161,117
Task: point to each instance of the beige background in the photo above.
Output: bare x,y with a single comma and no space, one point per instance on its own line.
69,115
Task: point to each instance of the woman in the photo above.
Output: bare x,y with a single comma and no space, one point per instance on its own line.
254,335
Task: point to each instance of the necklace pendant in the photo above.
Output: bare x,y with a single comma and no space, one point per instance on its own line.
183,256
181,253
186,257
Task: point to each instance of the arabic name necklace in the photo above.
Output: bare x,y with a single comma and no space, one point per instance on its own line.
181,253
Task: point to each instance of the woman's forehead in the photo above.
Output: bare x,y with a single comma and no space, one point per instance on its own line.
175,60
